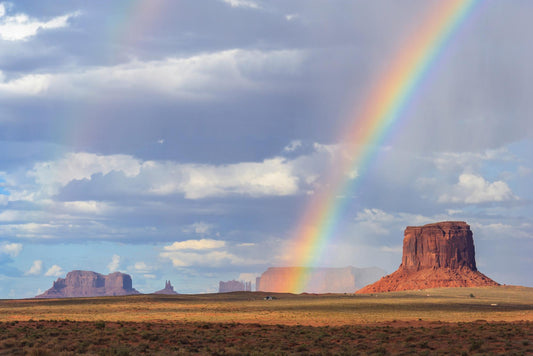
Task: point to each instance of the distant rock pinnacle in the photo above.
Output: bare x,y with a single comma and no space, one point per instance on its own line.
169,289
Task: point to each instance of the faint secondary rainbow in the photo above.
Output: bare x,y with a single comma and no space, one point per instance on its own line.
128,24
384,105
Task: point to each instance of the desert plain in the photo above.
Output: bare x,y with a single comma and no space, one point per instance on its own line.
483,320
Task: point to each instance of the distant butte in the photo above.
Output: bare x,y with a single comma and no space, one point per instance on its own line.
434,255
90,284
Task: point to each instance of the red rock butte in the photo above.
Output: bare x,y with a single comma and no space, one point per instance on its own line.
434,255
90,284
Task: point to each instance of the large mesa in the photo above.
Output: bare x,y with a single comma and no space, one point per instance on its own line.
434,255
319,280
90,284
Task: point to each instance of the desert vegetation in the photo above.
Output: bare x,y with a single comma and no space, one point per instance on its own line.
165,338
497,320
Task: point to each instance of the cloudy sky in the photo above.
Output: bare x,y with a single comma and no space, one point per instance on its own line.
184,139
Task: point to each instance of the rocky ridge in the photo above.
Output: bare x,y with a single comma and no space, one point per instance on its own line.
434,255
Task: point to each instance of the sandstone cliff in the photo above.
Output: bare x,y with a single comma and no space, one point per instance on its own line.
90,284
169,289
434,255
319,280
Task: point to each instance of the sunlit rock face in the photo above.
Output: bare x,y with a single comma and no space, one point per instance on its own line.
434,255
318,280
90,284
442,245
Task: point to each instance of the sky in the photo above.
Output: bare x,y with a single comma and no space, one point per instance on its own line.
184,140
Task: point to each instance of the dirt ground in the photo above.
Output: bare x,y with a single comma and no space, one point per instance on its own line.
455,321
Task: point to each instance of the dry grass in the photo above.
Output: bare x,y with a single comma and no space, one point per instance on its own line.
446,305
496,320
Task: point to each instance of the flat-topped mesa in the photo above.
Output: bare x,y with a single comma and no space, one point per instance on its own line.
434,255
319,280
90,284
448,244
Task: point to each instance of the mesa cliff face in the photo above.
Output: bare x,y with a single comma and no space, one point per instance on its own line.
319,280
90,284
441,245
434,255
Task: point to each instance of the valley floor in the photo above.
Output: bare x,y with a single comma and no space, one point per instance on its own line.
495,320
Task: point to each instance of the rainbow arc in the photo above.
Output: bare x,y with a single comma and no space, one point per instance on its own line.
384,105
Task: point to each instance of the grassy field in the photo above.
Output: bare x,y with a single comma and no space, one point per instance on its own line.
438,321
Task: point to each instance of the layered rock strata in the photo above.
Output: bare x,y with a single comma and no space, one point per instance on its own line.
434,255
90,284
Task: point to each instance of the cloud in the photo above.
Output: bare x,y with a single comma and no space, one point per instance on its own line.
198,77
500,231
330,149
242,3
76,166
291,17
52,175
54,271
141,267
21,27
293,146
207,259
87,196
473,189
271,177
375,220
200,253
203,244
89,207
114,265
35,269
200,228
469,161
28,85
11,249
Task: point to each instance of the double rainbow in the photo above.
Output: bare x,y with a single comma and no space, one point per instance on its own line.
384,105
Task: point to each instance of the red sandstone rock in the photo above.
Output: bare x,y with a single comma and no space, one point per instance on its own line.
90,284
434,255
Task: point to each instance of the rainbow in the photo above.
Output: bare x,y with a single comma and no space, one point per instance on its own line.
131,21
387,100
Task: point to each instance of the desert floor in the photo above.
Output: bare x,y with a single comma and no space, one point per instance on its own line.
495,320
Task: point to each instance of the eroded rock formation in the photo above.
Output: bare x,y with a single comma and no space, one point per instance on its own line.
90,284
319,280
434,255
169,289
